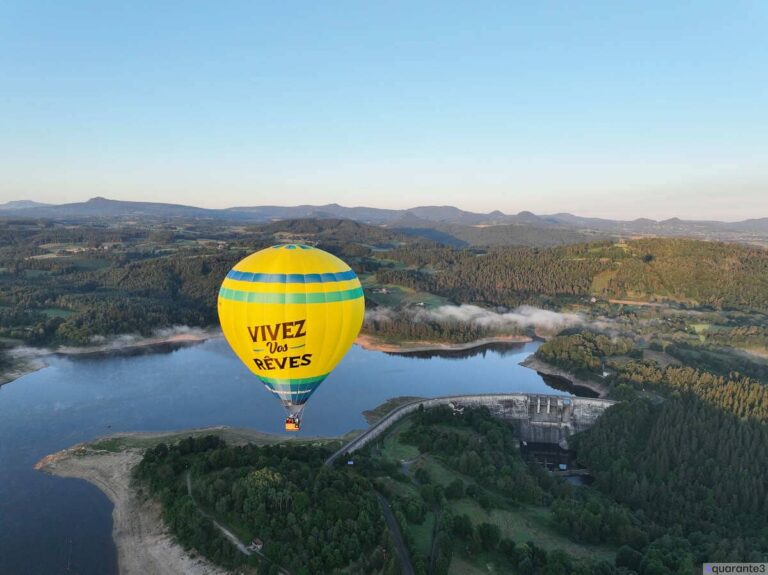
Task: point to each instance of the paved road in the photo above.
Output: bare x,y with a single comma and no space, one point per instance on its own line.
394,529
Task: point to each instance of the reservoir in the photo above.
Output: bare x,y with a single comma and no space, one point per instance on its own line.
51,525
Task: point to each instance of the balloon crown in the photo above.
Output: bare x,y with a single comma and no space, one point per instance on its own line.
291,247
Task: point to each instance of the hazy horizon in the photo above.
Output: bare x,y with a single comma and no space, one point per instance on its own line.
405,207
656,110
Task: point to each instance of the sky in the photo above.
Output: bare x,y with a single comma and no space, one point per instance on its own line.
611,109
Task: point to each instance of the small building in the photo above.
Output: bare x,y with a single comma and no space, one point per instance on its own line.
257,544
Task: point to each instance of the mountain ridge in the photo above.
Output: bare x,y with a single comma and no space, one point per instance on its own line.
100,207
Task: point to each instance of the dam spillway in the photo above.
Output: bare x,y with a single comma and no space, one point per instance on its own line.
537,418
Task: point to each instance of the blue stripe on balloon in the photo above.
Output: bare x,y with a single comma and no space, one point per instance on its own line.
291,278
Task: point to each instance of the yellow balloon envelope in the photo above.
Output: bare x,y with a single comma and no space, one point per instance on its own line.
290,313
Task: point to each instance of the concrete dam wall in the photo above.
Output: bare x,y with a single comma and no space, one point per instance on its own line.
536,417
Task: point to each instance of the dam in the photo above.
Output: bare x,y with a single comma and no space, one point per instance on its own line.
537,418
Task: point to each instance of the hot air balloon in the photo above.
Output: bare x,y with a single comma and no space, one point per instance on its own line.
291,312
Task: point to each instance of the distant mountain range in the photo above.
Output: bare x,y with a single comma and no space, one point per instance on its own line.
461,226
21,204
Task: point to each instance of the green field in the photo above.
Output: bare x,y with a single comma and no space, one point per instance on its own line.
663,359
399,296
601,280
57,312
422,534
392,449
34,274
398,488
89,264
439,473
530,524
520,523
461,566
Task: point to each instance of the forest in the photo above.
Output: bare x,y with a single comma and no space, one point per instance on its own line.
670,450
311,518
680,466
66,284
584,353
696,273
498,276
665,492
664,499
410,326
673,463
655,501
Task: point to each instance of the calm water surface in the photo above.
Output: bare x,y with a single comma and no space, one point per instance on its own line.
50,525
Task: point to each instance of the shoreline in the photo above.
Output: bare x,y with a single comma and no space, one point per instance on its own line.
372,343
533,362
32,359
128,345
22,368
144,545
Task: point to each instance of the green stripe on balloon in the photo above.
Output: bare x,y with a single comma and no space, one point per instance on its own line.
283,298
294,381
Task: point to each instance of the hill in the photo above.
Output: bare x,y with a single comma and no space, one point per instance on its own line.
20,205
447,224
687,272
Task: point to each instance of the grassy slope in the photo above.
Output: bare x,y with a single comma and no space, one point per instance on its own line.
519,523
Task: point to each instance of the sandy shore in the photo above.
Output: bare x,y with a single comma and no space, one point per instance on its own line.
144,545
533,362
372,343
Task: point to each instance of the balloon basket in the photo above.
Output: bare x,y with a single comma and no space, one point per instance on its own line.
292,424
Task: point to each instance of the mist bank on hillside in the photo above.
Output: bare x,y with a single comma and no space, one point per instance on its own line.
520,318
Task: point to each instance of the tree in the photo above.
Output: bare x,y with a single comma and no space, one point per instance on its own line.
490,535
629,558
462,526
455,489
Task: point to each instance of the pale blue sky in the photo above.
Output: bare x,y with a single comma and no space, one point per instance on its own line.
616,109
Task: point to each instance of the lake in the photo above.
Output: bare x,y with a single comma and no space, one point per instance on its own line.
51,525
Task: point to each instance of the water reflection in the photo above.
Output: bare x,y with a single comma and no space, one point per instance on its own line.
502,349
563,384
